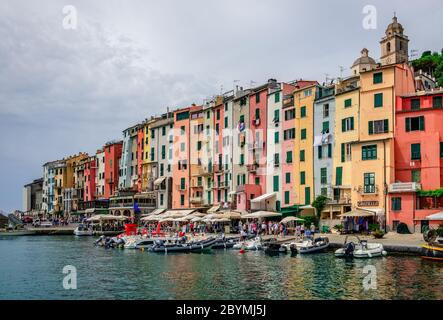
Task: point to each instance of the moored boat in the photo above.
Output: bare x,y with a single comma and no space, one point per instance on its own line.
161,247
313,246
83,230
433,250
369,250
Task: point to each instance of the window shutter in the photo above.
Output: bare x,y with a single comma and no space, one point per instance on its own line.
320,152
343,125
371,127
408,124
329,150
352,123
343,152
386,125
338,176
422,123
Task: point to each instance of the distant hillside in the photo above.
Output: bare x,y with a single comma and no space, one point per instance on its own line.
432,63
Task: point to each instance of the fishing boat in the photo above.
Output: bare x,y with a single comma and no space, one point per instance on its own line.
433,250
83,230
198,246
313,246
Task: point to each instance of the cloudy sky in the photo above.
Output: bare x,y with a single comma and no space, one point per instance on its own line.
65,91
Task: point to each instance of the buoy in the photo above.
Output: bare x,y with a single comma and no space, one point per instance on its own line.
242,251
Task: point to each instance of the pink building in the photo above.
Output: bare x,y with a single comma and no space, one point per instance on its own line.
90,173
219,179
113,153
418,161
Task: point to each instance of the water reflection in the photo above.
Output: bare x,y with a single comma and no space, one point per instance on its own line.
126,274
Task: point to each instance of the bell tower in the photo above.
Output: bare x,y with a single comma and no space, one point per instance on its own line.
394,45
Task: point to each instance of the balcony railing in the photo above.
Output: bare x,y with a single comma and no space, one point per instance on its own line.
196,200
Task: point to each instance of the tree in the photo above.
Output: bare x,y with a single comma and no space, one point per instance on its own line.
432,63
319,204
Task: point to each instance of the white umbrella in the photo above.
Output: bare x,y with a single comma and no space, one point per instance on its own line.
196,219
261,214
290,219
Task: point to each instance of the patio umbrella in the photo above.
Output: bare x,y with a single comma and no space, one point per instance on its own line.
196,219
290,219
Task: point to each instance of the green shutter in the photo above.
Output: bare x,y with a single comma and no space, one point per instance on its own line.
437,102
303,134
329,150
386,125
289,157
371,127
288,177
307,196
287,197
378,100
348,103
415,151
325,126
378,78
276,115
343,125
276,186
422,123
338,176
408,124
302,155
352,123
276,137
302,178
320,152
277,97
343,146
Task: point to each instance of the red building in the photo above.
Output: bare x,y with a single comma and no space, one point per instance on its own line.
418,161
113,153
90,173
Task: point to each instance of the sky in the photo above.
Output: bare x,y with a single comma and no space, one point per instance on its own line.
63,91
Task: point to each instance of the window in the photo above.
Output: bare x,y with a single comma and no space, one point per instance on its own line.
325,127
276,186
302,155
378,100
242,118
324,192
182,146
288,177
289,134
415,151
415,104
199,145
289,157
257,98
437,102
226,122
326,110
303,134
346,151
276,159
396,204
320,152
276,116
369,182
182,184
182,199
307,92
218,114
277,97
289,114
378,77
378,126
330,150
324,175
441,149
303,112
208,115
242,159
348,103
182,130
302,178
416,176
163,152
338,176
307,196
226,106
257,114
287,197
347,124
276,137
415,124
257,181
369,152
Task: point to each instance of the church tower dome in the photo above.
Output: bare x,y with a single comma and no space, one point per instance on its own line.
364,63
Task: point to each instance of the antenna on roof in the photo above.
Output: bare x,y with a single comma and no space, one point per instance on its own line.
341,70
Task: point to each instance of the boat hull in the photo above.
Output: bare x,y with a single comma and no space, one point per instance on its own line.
432,252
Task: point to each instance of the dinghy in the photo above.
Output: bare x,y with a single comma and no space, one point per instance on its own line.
313,246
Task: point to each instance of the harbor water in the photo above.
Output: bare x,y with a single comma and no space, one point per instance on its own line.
32,268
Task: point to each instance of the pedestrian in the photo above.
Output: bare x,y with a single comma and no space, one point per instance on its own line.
312,230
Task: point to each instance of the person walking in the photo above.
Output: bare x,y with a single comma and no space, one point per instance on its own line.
312,230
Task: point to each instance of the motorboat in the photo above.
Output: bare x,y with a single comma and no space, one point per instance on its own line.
313,246
110,242
83,230
369,250
225,243
275,248
160,246
254,244
16,233
433,250
360,249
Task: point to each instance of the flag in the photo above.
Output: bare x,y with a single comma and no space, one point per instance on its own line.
136,208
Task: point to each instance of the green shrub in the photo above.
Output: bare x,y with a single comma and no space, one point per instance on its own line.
378,234
373,227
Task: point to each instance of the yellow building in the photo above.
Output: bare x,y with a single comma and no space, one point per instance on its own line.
146,146
304,151
347,111
373,156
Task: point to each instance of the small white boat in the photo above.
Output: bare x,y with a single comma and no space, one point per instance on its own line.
313,246
131,241
369,250
254,244
82,231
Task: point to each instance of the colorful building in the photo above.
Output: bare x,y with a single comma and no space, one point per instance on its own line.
112,153
418,161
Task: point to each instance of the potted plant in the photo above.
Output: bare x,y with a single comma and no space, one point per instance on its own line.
378,234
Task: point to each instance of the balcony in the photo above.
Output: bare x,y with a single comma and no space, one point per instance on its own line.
400,187
196,200
368,190
252,167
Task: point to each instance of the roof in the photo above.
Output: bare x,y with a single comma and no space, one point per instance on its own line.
423,93
264,197
364,58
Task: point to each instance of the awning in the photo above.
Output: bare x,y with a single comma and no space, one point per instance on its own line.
261,214
178,213
356,213
290,219
264,197
435,216
159,181
214,209
376,211
157,212
96,210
